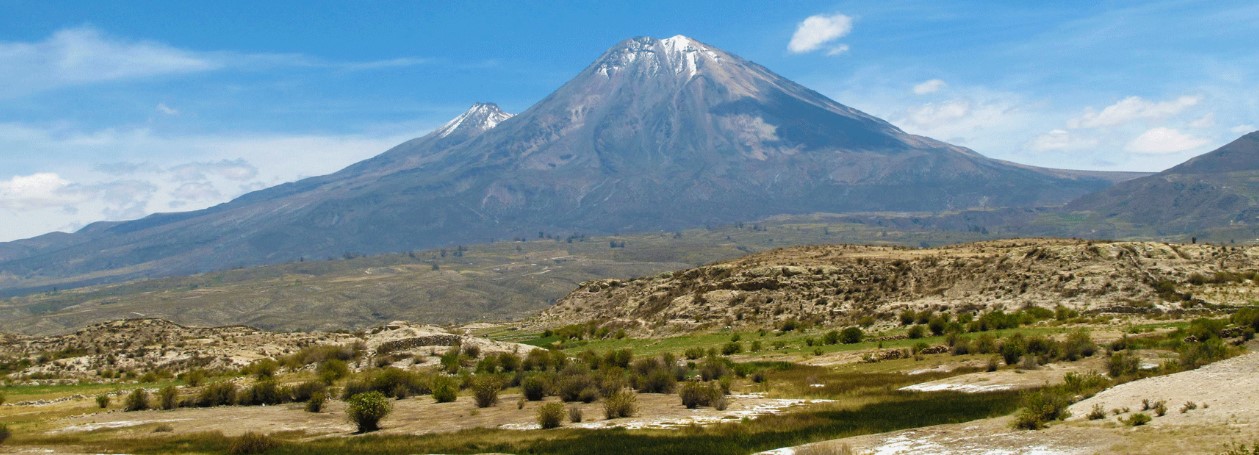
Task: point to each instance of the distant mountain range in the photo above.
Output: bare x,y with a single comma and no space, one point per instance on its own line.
656,134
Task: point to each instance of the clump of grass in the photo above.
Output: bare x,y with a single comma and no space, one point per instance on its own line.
1137,419
1238,448
251,443
444,389
1188,406
102,400
534,387
5,433
695,394
1097,413
574,414
1160,408
163,428
550,415
622,403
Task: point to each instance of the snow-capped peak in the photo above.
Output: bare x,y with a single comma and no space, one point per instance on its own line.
678,54
477,119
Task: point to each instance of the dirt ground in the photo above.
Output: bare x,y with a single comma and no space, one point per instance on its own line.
1227,395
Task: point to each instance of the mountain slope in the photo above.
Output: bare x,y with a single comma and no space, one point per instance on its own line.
654,135
1219,189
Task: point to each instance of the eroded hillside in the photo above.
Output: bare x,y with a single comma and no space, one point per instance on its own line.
838,284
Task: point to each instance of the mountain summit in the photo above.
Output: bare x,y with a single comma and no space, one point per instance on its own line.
655,134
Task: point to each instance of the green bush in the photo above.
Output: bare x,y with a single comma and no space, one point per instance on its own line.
217,394
1086,384
575,384
550,415
304,391
831,337
251,443
316,401
331,370
622,403
732,348
485,391
693,353
266,392
916,332
695,394
366,410
167,398
262,369
1122,363
137,400
445,389
102,400
1041,407
1137,419
851,335
534,387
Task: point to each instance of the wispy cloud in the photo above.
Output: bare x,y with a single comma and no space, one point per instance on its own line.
817,31
1158,141
931,86
1130,109
84,55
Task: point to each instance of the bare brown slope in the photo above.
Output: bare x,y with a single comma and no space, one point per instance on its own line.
838,284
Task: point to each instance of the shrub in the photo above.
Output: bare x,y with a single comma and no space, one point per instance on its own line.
1237,448
1137,419
574,385
1041,407
250,443
693,353
574,414
167,398
367,409
714,368
916,332
5,434
316,401
444,389
1097,413
732,348
534,387
1122,364
622,403
262,369
831,337
304,391
266,392
138,400
936,324
550,415
1078,345
102,400
696,393
1160,408
217,394
756,346
2,397
485,391
1086,384
331,370
472,351
1188,406
851,335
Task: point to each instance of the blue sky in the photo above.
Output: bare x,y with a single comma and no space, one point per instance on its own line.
114,110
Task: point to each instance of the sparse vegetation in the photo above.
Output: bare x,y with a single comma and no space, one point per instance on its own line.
137,400
1041,407
551,415
252,443
622,403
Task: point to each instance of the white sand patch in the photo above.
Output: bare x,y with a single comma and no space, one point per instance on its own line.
952,387
755,406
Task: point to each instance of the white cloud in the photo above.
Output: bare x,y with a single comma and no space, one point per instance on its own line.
24,192
934,115
1130,109
85,55
1061,140
840,49
1243,129
196,191
930,86
1203,122
816,31
162,108
1157,141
